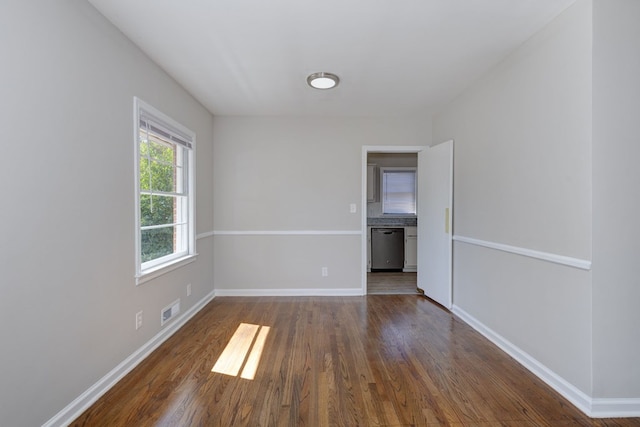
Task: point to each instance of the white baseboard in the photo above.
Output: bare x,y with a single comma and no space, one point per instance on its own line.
615,408
73,410
289,292
559,384
592,407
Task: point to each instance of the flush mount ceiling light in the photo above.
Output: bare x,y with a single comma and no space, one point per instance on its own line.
323,80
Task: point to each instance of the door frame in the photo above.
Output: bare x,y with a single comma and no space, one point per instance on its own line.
366,149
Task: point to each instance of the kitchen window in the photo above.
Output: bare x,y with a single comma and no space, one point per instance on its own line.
165,226
398,191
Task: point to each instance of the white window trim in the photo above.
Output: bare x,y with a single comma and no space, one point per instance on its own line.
168,263
152,273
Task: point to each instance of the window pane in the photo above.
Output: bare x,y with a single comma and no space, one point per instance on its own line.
145,177
159,150
157,210
165,232
399,192
157,243
157,166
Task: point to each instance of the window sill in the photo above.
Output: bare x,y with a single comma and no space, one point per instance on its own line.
158,271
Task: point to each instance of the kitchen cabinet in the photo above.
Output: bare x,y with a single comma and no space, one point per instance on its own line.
372,183
410,249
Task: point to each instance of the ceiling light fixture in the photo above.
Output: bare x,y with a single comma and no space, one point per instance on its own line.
323,80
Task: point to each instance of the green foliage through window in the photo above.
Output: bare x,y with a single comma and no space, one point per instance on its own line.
159,171
165,220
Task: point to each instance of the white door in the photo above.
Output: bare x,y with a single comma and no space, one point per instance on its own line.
435,195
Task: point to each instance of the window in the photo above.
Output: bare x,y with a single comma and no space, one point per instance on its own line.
398,191
164,192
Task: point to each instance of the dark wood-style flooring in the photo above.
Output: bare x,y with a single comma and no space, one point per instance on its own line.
379,360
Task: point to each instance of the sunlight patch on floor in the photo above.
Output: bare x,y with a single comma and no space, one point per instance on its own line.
243,349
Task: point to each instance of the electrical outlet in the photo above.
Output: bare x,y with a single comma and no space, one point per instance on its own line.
138,320
325,271
353,208
189,289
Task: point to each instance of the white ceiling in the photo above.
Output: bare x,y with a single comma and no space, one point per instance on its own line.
252,57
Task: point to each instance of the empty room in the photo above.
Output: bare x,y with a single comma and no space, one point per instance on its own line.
292,213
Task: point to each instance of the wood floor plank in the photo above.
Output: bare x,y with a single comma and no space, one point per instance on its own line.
378,360
392,283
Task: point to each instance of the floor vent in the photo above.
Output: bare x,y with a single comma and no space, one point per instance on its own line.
169,311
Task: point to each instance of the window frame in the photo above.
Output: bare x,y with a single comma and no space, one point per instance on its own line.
384,170
184,137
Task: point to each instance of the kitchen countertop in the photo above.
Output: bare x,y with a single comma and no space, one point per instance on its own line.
394,221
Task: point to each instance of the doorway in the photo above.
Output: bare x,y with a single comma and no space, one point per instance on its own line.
391,223
434,216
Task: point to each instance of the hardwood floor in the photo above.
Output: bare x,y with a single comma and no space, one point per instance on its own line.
391,283
379,360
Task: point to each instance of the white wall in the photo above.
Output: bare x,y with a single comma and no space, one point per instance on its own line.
67,291
294,174
523,178
616,177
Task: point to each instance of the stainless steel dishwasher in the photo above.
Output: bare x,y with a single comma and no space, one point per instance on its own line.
387,249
